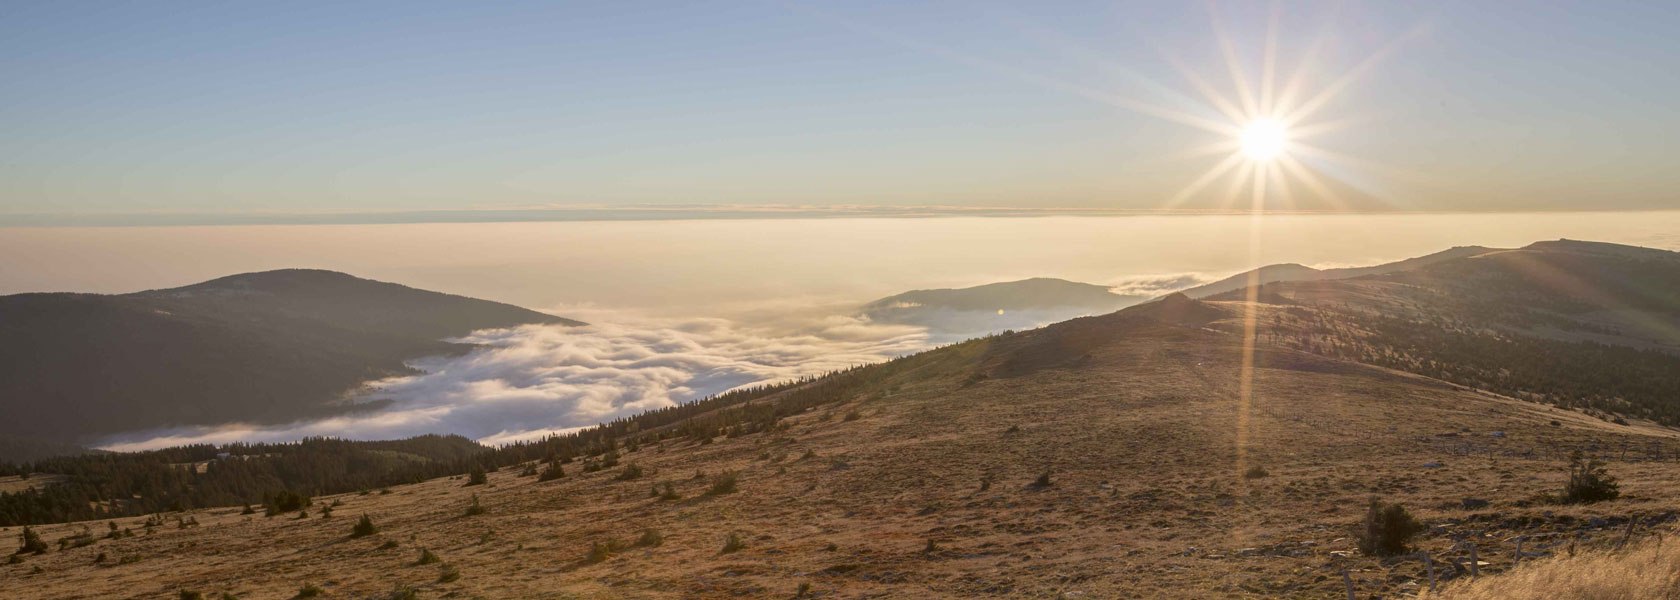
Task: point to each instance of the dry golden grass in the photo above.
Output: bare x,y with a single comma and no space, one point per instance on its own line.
1649,571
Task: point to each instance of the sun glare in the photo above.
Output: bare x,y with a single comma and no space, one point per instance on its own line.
1264,139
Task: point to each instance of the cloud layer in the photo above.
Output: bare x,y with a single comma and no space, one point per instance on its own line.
530,381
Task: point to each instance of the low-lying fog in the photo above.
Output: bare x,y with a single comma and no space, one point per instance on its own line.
682,309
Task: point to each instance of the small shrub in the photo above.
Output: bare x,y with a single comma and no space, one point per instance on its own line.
326,511
1388,529
283,501
1588,482
631,471
476,476
447,573
1043,480
601,551
530,470
389,544
1256,472
248,510
552,473
852,416
733,543
309,591
670,493
804,590
724,483
191,595
1013,429
426,557
32,543
475,508
650,538
364,527
931,547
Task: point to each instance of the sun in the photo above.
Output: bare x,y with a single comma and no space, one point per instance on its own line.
1264,139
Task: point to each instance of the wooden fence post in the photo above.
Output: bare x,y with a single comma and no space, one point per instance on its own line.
1348,583
1429,562
1632,519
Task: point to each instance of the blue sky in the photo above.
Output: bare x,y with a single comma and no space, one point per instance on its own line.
364,107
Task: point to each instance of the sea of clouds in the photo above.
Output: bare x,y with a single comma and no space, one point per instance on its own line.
527,382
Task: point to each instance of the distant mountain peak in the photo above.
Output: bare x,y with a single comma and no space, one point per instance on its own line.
276,281
1601,248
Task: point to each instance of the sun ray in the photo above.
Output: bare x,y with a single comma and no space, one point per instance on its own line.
1284,194
1234,190
1310,179
1212,175
1360,164
1208,92
1218,148
1233,64
1308,130
1285,101
1268,64
1028,76
1324,96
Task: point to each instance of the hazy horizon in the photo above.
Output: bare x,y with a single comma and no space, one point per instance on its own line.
740,263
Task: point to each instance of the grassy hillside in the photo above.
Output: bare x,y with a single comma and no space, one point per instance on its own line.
1574,324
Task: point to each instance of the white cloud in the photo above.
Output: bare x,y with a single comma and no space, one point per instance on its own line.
530,381
1156,285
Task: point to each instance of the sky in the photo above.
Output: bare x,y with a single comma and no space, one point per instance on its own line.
152,113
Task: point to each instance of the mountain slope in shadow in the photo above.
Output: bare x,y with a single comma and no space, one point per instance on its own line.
259,347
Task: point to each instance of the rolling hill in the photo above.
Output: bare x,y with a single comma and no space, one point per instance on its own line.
1295,272
259,347
1577,324
1157,451
982,309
